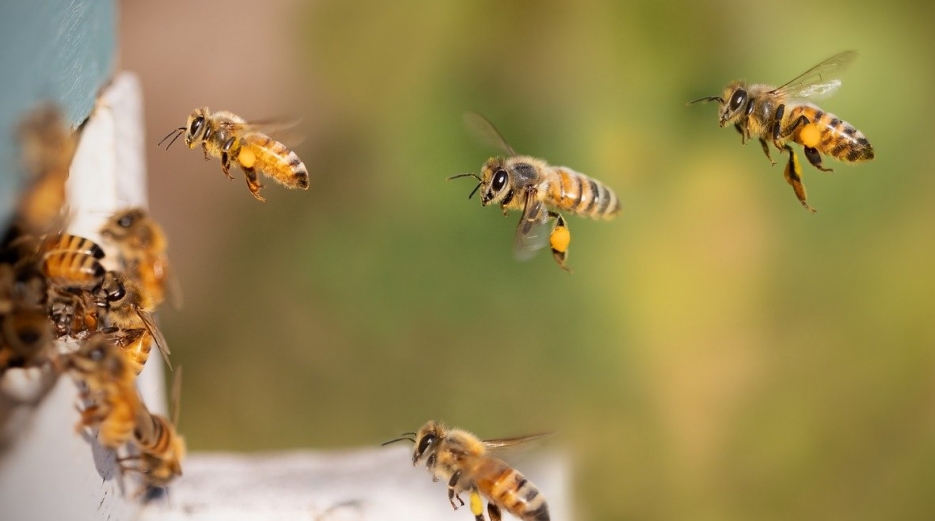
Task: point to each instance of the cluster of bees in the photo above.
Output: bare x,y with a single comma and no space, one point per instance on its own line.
63,311
541,192
54,286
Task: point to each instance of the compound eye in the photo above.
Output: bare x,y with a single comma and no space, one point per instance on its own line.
425,442
737,99
499,180
197,124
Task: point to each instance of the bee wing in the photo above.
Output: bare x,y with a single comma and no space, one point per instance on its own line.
513,449
481,128
160,340
819,82
532,231
177,396
499,443
282,129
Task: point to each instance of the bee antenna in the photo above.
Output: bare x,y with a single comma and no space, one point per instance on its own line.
475,176
177,132
405,436
705,100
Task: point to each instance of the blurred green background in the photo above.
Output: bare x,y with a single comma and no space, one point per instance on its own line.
719,353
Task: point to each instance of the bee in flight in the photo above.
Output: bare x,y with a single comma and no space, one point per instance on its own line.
464,461
785,113
236,142
540,191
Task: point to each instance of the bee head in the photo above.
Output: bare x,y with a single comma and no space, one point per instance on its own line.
425,443
733,103
196,126
494,181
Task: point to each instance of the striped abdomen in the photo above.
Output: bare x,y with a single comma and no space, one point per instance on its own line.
507,488
74,243
577,193
835,137
136,344
273,159
154,433
72,269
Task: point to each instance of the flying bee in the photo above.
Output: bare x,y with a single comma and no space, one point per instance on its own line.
464,461
540,191
128,308
161,447
114,404
236,142
143,247
783,114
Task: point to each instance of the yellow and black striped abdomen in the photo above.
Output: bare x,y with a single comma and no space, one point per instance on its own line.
831,135
274,159
509,489
72,269
575,192
74,243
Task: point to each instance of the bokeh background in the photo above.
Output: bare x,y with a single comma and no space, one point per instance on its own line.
719,352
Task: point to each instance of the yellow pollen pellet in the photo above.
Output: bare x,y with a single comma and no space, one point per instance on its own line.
477,506
809,135
246,157
560,239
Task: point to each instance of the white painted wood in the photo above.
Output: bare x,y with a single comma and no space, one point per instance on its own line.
48,471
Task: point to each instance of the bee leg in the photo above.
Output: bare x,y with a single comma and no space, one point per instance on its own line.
781,134
743,134
493,511
253,183
226,165
559,240
777,124
452,483
765,146
477,505
793,175
815,159
204,148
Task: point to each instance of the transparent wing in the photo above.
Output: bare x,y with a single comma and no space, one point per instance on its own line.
532,232
177,397
157,335
499,443
481,128
513,449
819,82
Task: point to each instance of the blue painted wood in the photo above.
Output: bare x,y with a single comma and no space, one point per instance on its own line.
57,50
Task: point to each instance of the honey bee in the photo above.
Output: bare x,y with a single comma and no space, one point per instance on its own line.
24,335
143,246
47,146
161,447
115,405
783,114
227,136
128,308
465,463
540,191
